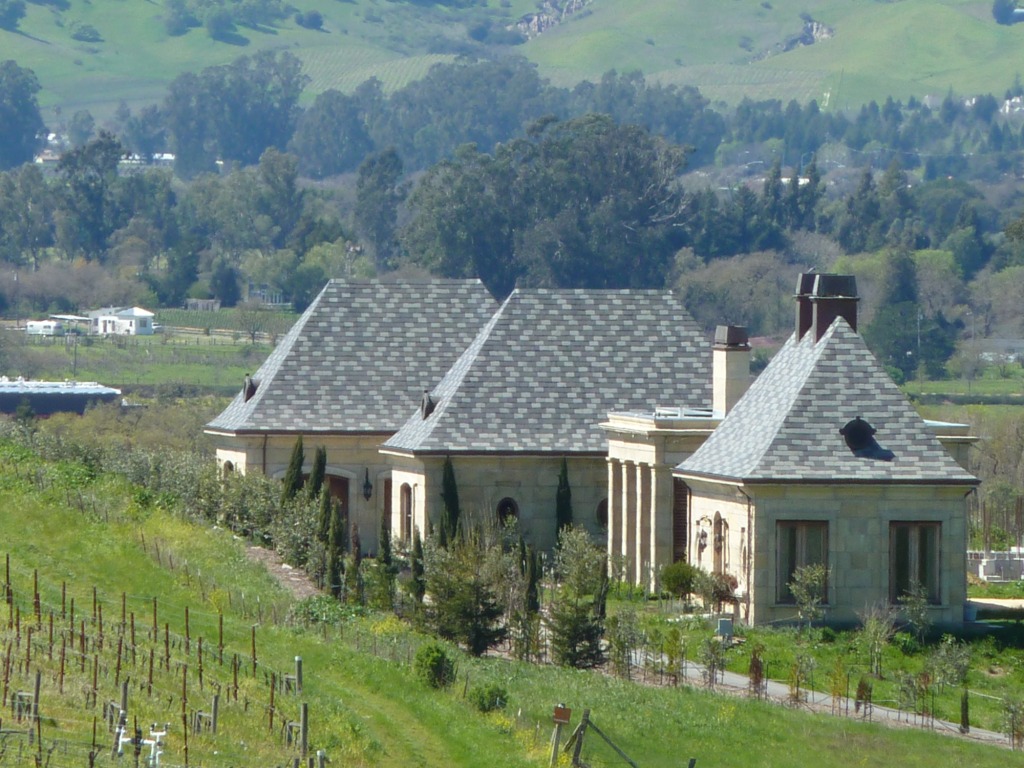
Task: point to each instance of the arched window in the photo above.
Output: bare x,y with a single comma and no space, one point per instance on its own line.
507,509
227,469
602,514
406,511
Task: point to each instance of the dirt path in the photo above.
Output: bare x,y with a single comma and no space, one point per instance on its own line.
292,579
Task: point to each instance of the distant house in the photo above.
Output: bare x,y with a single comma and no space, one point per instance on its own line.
202,305
121,321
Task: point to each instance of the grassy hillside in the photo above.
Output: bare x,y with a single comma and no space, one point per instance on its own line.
728,49
731,49
72,534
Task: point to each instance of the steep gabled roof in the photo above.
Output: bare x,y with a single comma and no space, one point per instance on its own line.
359,355
545,371
787,426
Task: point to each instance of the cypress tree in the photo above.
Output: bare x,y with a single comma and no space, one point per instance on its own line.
325,518
384,550
293,477
450,498
563,499
384,583
419,582
335,547
317,473
357,547
532,581
355,575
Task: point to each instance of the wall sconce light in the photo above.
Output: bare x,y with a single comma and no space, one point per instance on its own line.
702,540
367,486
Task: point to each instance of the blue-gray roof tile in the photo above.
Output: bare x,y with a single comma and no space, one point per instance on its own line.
551,364
786,427
359,355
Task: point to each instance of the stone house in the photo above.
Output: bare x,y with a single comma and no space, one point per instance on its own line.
533,388
345,377
822,460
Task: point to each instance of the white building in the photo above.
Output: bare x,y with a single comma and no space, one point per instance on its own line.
121,321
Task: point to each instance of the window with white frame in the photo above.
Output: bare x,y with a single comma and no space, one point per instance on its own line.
800,543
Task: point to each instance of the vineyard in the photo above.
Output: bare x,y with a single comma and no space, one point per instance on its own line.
122,622
237,321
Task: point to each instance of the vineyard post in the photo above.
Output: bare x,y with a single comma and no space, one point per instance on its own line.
270,709
304,728
60,679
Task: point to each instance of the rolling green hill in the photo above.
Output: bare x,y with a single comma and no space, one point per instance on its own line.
90,564
869,48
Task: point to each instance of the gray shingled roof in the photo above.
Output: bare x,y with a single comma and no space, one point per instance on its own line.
786,427
359,355
551,364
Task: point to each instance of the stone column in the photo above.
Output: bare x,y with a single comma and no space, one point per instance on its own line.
614,509
643,522
661,520
628,550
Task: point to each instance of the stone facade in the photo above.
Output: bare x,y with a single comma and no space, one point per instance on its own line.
351,459
745,525
488,486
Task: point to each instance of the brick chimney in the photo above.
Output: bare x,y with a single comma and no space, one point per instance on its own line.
820,299
730,367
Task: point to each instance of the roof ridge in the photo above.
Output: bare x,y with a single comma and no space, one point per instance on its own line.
450,383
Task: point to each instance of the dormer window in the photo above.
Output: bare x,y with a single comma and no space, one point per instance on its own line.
427,404
860,439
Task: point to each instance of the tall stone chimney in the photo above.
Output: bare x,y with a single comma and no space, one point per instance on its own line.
730,367
820,299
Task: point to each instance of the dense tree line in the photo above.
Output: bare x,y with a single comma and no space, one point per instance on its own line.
585,203
208,116
254,225
516,182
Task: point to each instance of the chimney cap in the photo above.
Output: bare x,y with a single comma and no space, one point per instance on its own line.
731,336
805,283
834,286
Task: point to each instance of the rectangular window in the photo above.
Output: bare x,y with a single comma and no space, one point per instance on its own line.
801,543
914,559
